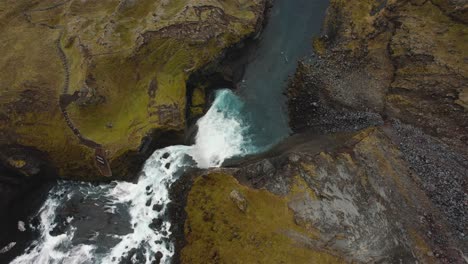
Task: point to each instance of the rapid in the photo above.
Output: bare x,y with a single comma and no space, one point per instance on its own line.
125,222
138,230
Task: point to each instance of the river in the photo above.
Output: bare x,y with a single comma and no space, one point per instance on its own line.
126,222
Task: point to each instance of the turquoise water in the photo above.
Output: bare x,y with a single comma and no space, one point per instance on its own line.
286,39
127,222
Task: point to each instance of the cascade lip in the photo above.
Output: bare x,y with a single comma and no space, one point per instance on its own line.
146,146
233,161
148,226
311,141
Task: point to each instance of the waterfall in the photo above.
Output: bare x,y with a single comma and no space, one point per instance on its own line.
138,229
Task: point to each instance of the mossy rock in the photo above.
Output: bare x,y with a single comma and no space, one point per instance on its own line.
360,201
218,230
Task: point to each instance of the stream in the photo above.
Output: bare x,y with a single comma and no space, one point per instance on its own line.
125,222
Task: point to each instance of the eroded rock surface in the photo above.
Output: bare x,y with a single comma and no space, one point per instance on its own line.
363,202
401,59
387,92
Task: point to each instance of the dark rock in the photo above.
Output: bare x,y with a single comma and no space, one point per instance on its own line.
156,224
158,257
311,110
20,198
158,207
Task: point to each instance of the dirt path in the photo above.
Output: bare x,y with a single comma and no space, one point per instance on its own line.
65,100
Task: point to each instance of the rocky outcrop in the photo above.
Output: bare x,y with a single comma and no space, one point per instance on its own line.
95,86
401,59
362,202
381,176
217,231
409,55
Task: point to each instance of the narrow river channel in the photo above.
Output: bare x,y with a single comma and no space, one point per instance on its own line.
125,222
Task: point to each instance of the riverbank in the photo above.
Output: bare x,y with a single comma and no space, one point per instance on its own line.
376,172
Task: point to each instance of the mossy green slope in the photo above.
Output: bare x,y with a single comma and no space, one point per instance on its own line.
129,59
217,231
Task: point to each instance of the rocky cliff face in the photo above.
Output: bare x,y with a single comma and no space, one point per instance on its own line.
360,201
89,88
382,176
401,59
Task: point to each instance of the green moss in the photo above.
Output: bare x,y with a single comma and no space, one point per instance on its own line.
443,37
122,106
92,9
217,231
76,62
171,8
136,10
119,53
319,46
198,96
30,85
196,111
353,21
17,163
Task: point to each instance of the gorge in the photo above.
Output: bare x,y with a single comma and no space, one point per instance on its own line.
121,221
327,132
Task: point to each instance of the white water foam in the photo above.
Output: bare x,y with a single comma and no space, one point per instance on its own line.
46,249
221,135
221,132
